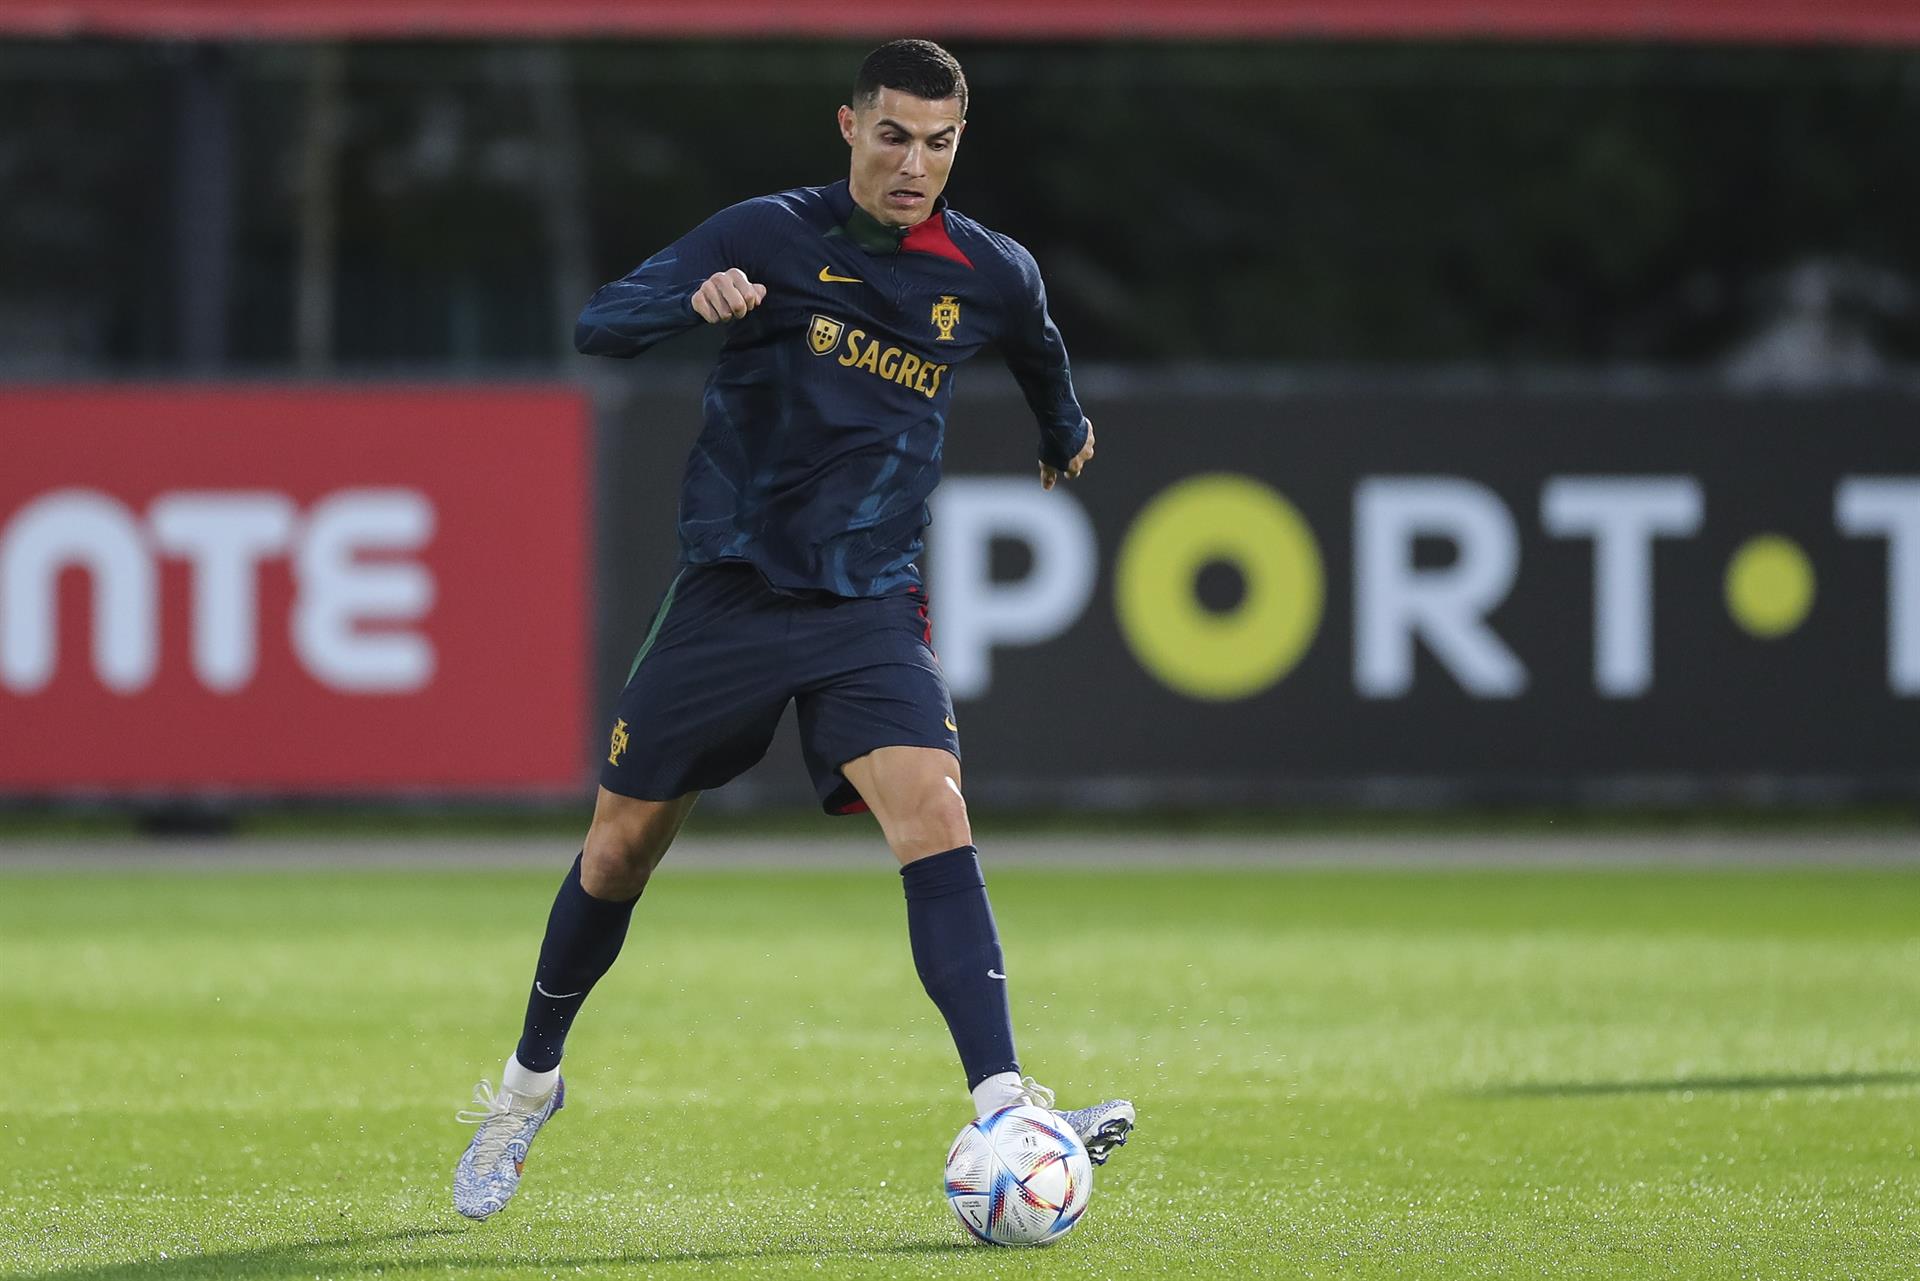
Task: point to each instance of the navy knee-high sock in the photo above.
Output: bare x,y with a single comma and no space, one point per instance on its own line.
956,948
584,935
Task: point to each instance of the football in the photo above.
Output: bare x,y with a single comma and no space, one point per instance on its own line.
1019,1176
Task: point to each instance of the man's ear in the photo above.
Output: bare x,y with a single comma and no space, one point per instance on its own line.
846,124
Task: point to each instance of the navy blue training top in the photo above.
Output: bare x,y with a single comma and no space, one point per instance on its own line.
826,411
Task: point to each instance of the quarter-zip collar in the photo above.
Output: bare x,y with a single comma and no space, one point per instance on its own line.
867,231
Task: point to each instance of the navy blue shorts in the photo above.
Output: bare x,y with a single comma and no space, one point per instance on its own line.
726,654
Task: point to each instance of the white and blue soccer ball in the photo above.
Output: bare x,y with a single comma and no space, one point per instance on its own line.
1019,1176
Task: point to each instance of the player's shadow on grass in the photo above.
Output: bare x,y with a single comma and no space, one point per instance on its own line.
335,1256
1696,1084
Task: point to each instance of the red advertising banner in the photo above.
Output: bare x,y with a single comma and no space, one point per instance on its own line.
1855,21
293,590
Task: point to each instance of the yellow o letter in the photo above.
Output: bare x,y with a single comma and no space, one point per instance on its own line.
1190,648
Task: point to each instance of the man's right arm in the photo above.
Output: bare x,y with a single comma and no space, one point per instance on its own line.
698,278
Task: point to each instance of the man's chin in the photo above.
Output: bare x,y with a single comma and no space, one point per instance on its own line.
892,216
907,207
891,210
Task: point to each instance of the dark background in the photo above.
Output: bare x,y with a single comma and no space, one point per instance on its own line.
1191,202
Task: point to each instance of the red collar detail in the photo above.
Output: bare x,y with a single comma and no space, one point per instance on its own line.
930,237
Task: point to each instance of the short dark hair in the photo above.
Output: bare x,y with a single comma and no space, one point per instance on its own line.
919,67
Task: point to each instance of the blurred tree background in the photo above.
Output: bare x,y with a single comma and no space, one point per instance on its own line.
446,207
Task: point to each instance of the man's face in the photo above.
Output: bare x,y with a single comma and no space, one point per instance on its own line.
903,149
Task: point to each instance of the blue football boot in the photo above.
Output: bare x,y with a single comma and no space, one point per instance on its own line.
489,1171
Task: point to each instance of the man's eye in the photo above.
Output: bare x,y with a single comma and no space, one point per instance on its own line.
940,146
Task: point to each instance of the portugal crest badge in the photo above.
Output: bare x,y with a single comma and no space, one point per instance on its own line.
824,334
946,314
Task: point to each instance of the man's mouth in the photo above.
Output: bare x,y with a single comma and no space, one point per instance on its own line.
906,196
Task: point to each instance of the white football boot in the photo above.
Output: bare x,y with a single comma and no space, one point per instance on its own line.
489,1171
1102,1127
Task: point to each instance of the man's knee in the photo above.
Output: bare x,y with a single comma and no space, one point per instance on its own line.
915,794
934,820
626,841
618,845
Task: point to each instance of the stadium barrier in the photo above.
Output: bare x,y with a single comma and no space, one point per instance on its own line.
1264,592
235,591
1275,590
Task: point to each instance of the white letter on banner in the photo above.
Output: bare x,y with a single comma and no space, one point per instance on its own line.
226,536
1447,608
86,529
336,591
1889,507
1623,515
976,613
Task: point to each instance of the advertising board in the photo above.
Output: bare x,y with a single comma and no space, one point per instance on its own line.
293,590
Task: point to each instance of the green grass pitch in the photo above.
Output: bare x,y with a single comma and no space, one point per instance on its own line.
1340,1074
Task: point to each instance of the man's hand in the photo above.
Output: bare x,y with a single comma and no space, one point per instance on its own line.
727,295
1050,476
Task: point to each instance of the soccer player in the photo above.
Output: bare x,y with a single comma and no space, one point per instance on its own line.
848,309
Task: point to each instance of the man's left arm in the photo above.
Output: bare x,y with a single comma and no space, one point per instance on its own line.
1037,357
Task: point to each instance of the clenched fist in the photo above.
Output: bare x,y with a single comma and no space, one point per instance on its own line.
727,295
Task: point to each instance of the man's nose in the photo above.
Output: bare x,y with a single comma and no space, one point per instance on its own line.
913,163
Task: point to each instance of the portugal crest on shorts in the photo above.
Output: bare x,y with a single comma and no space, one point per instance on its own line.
619,743
824,334
946,314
